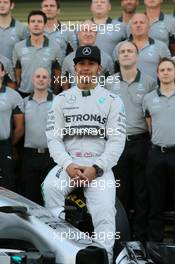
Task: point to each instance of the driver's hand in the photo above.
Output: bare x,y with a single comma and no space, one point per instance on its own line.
73,170
88,173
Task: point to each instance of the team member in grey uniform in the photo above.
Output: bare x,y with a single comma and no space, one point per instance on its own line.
89,153
9,76
110,32
35,51
172,37
36,161
150,50
159,108
132,85
161,26
128,10
55,30
87,36
11,130
11,30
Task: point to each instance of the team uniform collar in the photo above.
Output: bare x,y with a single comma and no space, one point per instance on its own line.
45,42
49,96
150,40
108,21
137,78
161,16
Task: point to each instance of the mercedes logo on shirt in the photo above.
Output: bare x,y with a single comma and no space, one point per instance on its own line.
86,51
71,99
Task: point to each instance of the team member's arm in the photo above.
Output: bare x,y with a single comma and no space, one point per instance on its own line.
65,74
115,134
149,124
164,50
8,81
110,66
56,70
18,131
18,119
17,67
147,113
72,39
55,131
172,45
56,83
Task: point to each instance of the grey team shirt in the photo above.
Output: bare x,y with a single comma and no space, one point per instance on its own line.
11,104
161,109
28,58
106,63
7,66
35,121
132,96
162,28
63,37
109,35
10,35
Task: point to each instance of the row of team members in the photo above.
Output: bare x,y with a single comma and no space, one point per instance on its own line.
47,43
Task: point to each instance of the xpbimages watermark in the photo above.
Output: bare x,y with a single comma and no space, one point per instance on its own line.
85,131
78,26
73,79
99,183
101,236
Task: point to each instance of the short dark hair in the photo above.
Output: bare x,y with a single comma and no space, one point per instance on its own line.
35,13
2,66
165,59
56,1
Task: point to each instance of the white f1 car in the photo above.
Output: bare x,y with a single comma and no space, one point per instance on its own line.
24,222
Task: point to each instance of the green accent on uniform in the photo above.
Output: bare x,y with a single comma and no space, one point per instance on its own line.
101,100
86,93
17,259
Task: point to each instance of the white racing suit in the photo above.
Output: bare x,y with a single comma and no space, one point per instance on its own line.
86,128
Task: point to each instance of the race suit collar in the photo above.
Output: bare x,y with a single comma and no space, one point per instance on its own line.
90,92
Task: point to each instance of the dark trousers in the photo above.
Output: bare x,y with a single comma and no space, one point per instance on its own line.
161,182
7,175
35,167
130,170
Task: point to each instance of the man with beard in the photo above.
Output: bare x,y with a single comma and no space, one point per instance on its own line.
128,10
34,52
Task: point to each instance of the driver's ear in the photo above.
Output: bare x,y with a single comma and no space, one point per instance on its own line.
12,6
100,69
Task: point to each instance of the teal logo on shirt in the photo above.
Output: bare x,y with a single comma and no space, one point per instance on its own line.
101,100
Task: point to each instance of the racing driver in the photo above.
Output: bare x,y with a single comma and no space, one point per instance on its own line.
86,136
